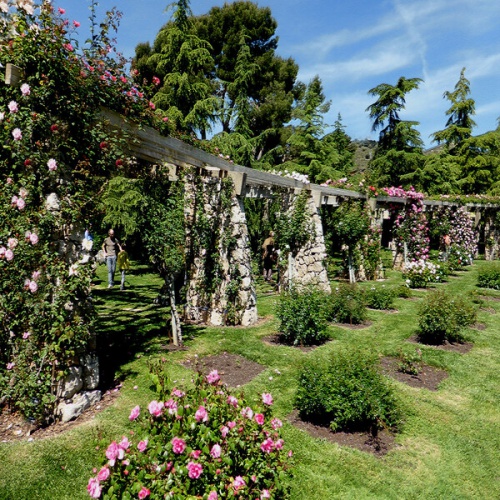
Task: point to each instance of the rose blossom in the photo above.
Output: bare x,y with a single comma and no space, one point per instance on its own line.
9,254
76,24
155,408
194,470
224,431
94,488
238,483
231,424
215,451
267,399
276,423
12,243
33,238
178,445
213,377
52,164
33,286
267,446
178,393
233,401
279,444
172,406
25,89
10,365
20,203
142,445
201,414
124,443
265,494
212,495
259,418
103,474
114,452
134,413
143,493
13,107
247,412
17,134
26,335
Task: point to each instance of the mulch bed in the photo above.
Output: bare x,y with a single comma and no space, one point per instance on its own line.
428,377
234,370
14,427
377,445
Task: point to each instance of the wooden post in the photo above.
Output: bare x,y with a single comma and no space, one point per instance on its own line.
12,74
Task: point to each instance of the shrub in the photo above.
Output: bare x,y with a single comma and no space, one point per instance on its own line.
420,273
346,304
489,278
381,297
201,442
404,292
301,315
410,362
443,318
348,392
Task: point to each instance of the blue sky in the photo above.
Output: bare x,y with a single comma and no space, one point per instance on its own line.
355,45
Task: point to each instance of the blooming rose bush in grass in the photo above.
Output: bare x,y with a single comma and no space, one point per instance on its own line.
421,273
203,442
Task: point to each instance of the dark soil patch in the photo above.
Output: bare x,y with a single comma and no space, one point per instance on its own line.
13,427
378,445
275,339
488,310
459,347
428,377
389,311
234,370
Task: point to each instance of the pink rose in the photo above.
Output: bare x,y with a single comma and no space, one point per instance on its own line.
213,377
231,425
267,399
25,89
142,445
114,452
201,414
10,365
134,413
238,483
103,474
194,470
76,24
215,452
13,107
144,493
94,488
279,444
61,11
259,418
52,164
17,134
12,243
265,494
155,408
267,446
172,406
212,495
231,400
9,254
178,393
20,204
124,443
178,445
26,335
224,431
276,423
247,412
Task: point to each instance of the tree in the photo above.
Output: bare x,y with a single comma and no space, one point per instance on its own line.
180,60
460,124
399,151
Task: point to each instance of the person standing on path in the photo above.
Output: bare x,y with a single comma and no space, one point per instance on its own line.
123,263
109,248
268,256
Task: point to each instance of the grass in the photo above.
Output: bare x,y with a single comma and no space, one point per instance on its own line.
449,446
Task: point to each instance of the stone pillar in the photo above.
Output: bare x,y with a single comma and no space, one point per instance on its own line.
220,288
307,265
491,237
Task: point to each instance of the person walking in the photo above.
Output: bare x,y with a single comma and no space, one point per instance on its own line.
109,247
123,264
268,256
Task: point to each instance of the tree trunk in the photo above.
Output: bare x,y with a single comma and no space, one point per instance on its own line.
176,323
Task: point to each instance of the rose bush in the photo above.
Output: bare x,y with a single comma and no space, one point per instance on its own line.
201,442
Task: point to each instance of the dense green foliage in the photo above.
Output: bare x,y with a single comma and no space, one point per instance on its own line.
346,304
489,278
380,297
301,316
347,391
443,317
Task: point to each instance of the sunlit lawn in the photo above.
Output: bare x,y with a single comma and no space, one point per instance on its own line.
449,447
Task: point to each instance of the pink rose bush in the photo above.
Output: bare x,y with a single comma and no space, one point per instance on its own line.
210,448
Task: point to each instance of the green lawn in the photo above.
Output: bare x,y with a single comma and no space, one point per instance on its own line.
449,447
